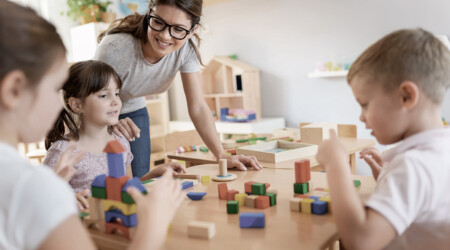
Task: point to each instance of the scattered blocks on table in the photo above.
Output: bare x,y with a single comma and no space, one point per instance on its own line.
206,179
319,207
258,188
301,188
240,198
186,149
357,183
115,214
248,186
186,184
114,187
231,194
295,204
195,196
250,201
201,229
252,220
302,171
306,205
262,202
327,199
232,207
273,198
223,190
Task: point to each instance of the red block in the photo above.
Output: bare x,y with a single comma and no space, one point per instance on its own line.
114,147
223,190
230,194
248,186
114,187
262,202
267,185
302,171
116,227
303,196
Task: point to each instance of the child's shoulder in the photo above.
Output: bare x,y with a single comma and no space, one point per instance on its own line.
59,145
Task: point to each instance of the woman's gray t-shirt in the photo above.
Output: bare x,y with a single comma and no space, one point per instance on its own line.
140,78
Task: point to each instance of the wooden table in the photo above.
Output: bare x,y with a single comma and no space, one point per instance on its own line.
352,145
284,229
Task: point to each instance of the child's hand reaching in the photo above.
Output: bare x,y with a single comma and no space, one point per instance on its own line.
82,201
156,210
331,152
69,158
172,167
373,157
175,167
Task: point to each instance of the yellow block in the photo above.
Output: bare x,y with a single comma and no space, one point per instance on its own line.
306,205
326,190
206,179
328,200
127,209
240,198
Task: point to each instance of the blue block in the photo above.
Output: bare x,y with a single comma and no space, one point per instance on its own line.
195,196
128,221
223,114
319,207
186,184
135,182
99,181
314,197
115,165
252,220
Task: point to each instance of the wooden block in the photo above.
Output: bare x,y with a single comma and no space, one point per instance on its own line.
258,188
206,179
326,190
116,167
186,184
327,199
232,207
240,198
231,194
99,181
262,202
273,199
248,186
114,187
319,207
188,176
114,147
111,228
252,220
95,209
250,201
315,133
98,192
126,209
301,188
296,204
201,229
302,196
306,205
223,170
357,183
223,190
302,171
116,215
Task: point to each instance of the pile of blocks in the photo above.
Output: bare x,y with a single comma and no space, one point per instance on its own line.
111,208
186,149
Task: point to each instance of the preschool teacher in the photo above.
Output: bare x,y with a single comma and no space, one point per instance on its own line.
147,51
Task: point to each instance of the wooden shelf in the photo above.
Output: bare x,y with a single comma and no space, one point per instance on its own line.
330,74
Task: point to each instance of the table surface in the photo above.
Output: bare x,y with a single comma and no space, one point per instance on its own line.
352,145
284,229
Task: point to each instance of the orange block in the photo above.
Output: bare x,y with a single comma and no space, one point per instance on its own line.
111,228
303,196
231,193
223,190
262,202
114,147
302,171
114,187
248,186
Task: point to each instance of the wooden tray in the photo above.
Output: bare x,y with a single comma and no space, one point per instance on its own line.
277,151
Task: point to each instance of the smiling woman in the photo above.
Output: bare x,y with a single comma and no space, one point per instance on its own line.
147,51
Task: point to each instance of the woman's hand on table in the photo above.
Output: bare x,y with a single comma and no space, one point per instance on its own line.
242,162
127,128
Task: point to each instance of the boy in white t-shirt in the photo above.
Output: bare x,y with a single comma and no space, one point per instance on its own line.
400,83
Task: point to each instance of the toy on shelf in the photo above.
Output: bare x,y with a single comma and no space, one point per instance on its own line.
236,115
186,149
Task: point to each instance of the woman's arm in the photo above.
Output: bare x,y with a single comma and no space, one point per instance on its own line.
204,122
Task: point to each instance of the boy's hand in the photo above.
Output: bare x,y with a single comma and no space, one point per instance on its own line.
373,157
82,201
65,166
331,151
127,128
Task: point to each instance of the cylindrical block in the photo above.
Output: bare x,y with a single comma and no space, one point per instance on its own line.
223,171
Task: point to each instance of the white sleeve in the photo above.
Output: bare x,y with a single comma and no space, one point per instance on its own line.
41,202
190,63
402,193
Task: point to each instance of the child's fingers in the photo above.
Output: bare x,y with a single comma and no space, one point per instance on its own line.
178,167
374,154
135,194
372,163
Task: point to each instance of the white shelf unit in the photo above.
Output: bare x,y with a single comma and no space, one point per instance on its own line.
328,74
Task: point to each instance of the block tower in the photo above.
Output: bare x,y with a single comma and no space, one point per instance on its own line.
302,176
110,205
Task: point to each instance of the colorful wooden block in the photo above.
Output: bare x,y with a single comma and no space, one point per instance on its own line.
240,198
248,186
314,197
252,220
195,196
302,171
116,165
114,147
115,214
273,198
201,229
186,184
231,194
319,207
127,209
114,187
98,192
206,179
302,196
301,188
306,205
326,190
223,190
232,207
258,188
99,181
223,167
357,183
250,201
135,182
327,199
295,204
204,149
262,202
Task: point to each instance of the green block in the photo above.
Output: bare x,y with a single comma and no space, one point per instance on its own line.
357,183
301,188
204,149
232,207
99,192
273,198
259,188
147,181
126,198
82,215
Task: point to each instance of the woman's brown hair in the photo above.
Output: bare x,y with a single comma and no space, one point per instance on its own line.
27,42
137,25
85,78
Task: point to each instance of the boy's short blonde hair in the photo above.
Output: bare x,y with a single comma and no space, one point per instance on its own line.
406,55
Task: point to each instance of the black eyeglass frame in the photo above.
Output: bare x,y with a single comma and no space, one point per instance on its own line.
170,27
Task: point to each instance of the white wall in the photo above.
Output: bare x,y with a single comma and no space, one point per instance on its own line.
285,39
